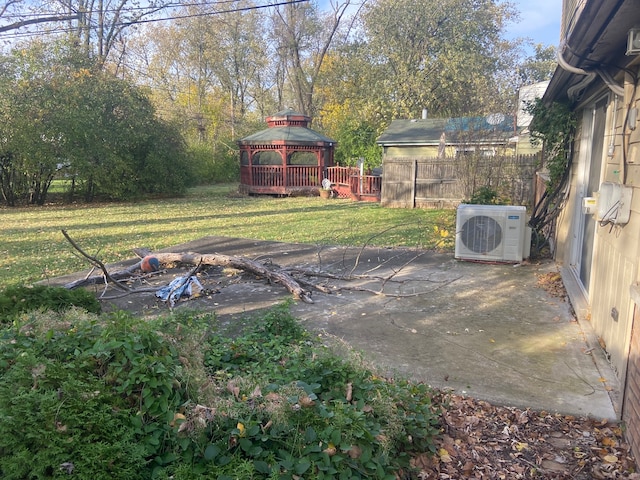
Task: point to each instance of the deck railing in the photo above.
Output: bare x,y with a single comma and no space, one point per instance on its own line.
347,181
342,175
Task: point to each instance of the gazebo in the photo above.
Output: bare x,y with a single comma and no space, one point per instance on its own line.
286,158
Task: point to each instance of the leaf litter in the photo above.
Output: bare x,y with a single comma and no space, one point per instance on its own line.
481,441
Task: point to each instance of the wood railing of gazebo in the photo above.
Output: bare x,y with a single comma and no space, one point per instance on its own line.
274,176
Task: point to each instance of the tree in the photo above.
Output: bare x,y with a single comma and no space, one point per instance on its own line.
65,115
303,37
539,66
34,113
440,55
98,26
13,18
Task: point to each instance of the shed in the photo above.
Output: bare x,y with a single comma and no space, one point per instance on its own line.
446,137
286,158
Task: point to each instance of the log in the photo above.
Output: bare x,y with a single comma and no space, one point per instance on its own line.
206,259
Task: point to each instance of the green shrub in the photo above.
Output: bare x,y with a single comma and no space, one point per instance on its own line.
214,166
298,408
98,393
486,196
17,299
176,397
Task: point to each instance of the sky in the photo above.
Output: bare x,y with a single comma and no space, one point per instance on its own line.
539,21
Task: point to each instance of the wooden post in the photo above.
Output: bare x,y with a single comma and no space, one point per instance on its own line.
414,177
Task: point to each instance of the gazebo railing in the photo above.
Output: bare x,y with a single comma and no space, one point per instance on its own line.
303,176
267,176
275,176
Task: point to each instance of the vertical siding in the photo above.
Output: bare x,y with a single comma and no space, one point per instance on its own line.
616,248
612,275
570,12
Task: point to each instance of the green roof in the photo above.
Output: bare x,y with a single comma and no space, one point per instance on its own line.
429,131
294,135
413,132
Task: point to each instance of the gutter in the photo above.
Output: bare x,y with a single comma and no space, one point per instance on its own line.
585,24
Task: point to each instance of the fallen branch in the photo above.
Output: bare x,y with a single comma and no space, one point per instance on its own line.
208,259
95,263
240,263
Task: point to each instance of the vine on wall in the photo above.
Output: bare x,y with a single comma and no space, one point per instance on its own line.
554,126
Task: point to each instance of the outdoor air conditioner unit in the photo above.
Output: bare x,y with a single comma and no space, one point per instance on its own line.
492,233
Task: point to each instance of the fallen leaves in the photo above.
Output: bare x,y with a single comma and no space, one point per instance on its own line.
552,283
482,441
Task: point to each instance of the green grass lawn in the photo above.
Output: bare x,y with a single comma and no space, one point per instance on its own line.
32,247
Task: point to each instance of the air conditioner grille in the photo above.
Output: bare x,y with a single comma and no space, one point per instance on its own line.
481,234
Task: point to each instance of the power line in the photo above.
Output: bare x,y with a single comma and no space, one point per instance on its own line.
168,18
123,9
243,9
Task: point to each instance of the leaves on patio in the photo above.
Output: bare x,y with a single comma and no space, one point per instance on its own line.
483,441
552,283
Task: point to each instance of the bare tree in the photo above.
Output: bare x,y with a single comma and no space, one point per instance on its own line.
97,25
303,37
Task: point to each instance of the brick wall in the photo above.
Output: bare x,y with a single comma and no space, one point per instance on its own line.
631,404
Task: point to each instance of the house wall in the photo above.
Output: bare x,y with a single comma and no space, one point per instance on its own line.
608,303
411,151
524,146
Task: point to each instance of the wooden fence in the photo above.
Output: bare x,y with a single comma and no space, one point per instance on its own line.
420,182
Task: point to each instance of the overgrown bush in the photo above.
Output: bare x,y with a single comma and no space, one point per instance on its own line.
486,196
17,299
175,397
214,166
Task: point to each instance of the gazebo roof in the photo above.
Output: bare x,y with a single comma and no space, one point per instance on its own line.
287,127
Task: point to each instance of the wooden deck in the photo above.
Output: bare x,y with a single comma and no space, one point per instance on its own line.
290,180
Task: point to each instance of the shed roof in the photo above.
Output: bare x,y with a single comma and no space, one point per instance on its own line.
429,131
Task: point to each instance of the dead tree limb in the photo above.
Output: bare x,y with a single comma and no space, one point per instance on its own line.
95,263
207,259
382,293
240,263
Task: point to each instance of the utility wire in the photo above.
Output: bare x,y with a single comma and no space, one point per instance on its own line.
163,19
123,9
